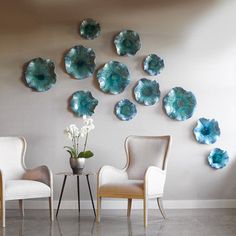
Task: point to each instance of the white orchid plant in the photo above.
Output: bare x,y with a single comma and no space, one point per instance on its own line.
75,134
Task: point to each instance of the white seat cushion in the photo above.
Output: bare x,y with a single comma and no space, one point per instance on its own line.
23,189
123,189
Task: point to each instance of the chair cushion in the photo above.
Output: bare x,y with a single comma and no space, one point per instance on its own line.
23,189
124,189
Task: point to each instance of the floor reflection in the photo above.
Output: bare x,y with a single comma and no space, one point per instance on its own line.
202,222
37,223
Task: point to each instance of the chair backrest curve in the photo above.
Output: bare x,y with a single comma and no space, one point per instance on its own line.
145,151
12,153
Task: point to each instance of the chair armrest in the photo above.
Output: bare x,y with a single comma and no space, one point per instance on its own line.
42,174
110,174
154,181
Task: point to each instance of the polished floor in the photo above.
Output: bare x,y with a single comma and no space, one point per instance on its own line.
207,222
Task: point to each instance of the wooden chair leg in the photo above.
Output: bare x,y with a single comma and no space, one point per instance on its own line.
160,205
129,207
3,213
21,206
51,208
99,200
145,212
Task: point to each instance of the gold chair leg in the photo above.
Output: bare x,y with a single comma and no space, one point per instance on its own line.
99,200
3,214
51,210
145,212
129,207
160,205
21,206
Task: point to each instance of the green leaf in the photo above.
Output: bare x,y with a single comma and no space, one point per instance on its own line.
69,152
72,151
86,154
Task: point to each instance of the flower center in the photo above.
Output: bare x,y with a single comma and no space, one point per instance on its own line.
147,91
205,131
41,77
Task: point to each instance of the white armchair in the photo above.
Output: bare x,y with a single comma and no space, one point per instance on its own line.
143,177
16,181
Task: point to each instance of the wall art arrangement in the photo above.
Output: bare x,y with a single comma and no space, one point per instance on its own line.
114,77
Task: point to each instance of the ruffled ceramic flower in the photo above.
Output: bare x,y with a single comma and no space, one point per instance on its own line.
218,158
40,75
207,131
90,29
127,42
153,64
179,104
80,62
83,103
113,77
125,110
147,92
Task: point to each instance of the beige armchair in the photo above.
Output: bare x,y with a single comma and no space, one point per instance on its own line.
16,181
143,177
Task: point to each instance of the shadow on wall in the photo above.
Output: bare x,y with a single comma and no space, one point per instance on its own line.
29,16
227,190
217,187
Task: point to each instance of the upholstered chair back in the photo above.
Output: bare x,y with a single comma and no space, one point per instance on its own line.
12,151
145,151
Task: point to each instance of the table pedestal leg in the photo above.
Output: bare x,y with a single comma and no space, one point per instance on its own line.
62,190
91,196
78,190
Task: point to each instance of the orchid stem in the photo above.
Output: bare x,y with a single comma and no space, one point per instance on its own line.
86,140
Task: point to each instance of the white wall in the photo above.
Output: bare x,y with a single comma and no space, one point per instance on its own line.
197,39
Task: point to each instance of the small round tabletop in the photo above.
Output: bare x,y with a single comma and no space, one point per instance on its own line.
71,174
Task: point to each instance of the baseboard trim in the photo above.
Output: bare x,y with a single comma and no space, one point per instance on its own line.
122,204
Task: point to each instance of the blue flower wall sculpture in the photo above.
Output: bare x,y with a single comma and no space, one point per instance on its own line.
218,158
83,103
40,75
80,62
207,131
147,92
179,104
127,42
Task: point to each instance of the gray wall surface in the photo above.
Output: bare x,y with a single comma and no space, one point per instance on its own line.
197,40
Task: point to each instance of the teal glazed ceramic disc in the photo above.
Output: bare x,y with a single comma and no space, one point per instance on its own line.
40,75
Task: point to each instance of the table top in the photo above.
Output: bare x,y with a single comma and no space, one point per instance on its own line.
71,174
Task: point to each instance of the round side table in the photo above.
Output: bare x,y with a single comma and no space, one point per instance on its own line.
66,174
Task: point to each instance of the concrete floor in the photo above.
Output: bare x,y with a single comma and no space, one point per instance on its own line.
207,222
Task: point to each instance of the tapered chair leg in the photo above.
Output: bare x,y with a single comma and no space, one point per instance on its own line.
129,207
21,206
145,212
3,216
160,205
51,208
99,199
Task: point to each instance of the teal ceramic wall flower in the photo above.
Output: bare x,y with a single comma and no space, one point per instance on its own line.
90,29
153,64
179,104
127,42
207,131
147,92
218,158
40,75
83,103
125,110
80,62
113,78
